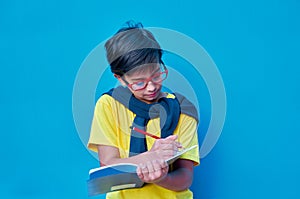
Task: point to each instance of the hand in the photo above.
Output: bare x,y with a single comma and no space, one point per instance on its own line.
165,148
153,171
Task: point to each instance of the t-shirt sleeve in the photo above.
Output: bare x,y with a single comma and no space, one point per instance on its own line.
187,136
103,128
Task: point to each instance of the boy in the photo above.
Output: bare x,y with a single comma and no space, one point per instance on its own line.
135,59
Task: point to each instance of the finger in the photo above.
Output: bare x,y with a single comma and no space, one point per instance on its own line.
150,168
156,165
169,139
178,144
144,169
164,166
158,171
173,147
172,137
139,172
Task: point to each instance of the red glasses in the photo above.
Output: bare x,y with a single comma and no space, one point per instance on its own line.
156,78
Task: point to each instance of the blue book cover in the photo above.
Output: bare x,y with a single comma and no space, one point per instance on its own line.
112,178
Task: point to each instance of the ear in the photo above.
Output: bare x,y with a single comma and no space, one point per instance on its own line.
120,79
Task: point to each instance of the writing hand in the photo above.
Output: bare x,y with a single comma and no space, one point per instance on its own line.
166,148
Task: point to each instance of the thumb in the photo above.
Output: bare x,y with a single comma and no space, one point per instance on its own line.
172,137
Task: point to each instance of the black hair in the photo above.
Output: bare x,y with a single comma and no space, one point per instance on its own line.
135,58
130,25
140,48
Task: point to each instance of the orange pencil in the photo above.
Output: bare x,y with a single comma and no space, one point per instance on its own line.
144,132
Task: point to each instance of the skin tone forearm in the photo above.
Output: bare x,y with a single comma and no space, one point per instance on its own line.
115,159
181,178
161,150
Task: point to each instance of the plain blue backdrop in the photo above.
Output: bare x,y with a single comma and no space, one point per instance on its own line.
255,45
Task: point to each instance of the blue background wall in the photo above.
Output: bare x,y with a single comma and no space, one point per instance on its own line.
255,45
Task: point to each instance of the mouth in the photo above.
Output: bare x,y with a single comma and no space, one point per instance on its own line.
152,95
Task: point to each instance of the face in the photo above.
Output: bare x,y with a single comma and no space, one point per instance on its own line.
146,82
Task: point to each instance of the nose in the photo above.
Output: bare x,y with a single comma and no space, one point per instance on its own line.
150,86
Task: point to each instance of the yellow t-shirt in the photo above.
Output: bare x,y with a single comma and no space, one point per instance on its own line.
111,126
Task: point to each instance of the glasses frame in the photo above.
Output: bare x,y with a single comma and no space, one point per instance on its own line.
149,79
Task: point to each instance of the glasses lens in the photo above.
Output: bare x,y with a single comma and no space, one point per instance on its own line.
138,85
159,77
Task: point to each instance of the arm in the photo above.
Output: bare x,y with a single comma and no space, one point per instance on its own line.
161,150
152,167
110,155
181,178
178,180
182,175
